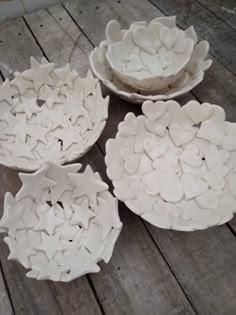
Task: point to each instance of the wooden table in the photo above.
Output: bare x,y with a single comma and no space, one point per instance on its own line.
152,271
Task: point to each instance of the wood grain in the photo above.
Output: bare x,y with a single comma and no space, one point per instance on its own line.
207,25
226,10
204,263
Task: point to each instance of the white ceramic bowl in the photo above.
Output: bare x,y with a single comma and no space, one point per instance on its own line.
150,58
61,223
175,166
49,114
184,81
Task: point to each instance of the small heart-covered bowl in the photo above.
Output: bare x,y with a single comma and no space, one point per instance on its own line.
150,57
61,223
150,61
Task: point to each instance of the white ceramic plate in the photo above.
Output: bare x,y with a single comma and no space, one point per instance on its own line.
61,223
175,166
49,114
187,80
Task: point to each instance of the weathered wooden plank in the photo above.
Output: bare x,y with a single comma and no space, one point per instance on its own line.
16,46
60,38
195,257
106,283
117,112
5,303
30,296
207,25
226,10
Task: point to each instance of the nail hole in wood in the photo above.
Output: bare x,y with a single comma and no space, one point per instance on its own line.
118,268
118,1
19,34
1,41
60,19
80,12
41,25
96,7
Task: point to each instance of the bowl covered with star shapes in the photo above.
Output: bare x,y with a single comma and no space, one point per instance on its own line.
49,114
61,223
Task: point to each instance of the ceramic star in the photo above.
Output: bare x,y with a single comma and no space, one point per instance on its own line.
74,107
68,231
65,76
51,154
19,251
89,83
107,216
20,149
28,107
50,96
87,185
59,174
51,271
81,214
39,74
12,216
48,221
69,247
69,136
21,83
80,264
6,92
37,133
54,120
50,244
18,129
34,184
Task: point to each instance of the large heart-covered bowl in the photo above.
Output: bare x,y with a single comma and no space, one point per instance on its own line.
175,166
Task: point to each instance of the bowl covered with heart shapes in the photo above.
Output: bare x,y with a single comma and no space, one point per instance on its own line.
49,114
155,60
175,166
61,223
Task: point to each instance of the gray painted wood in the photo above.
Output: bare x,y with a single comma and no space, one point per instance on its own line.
208,26
226,10
204,263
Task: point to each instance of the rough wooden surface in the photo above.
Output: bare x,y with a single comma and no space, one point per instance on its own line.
226,10
152,271
208,26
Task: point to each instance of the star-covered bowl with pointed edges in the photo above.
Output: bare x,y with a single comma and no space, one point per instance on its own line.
61,223
175,166
49,114
150,61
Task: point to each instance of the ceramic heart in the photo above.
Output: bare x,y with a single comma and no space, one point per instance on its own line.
214,157
113,31
154,149
212,130
192,186
147,38
155,110
181,135
190,157
128,127
168,36
209,199
215,177
145,165
131,160
197,112
135,63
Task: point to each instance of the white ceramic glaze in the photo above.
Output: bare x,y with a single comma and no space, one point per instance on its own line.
61,223
154,61
49,113
182,178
